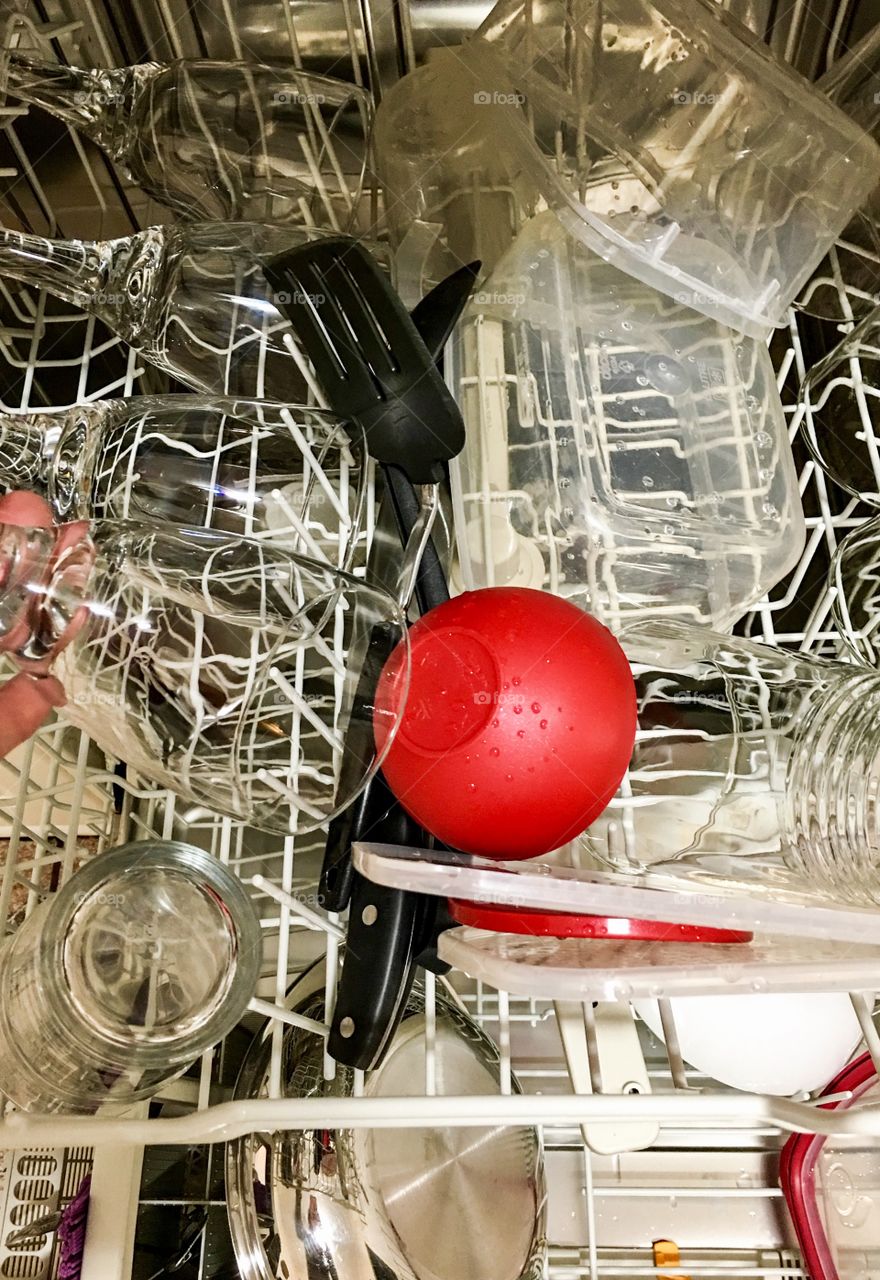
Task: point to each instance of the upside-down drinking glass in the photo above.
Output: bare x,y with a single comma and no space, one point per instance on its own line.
141,962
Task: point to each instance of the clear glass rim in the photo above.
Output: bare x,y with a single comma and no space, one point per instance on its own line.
205,868
836,573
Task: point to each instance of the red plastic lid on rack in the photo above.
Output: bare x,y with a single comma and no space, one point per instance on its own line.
832,1186
769,905
562,924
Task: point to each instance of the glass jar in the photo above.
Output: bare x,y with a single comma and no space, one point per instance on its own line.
141,962
752,767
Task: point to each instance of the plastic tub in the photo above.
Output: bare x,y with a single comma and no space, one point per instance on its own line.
623,450
664,135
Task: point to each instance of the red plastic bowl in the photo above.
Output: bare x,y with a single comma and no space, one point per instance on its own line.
518,726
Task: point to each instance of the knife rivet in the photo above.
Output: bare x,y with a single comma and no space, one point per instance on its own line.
346,1028
370,914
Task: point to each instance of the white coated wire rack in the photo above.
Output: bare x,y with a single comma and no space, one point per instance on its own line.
707,1176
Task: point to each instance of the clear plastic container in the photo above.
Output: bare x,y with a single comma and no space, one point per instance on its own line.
623,450
663,134
739,175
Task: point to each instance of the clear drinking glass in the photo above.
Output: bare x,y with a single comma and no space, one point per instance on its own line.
752,767
234,140
854,591
192,299
622,449
221,667
842,420
248,467
143,960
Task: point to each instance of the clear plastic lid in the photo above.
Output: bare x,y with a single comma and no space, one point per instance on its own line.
784,907
593,969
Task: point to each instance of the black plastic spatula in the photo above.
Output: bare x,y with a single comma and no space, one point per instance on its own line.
375,367
376,364
369,358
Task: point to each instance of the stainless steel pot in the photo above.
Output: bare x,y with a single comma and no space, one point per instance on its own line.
385,1204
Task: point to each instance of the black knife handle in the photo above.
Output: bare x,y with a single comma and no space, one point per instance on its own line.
387,929
431,585
375,815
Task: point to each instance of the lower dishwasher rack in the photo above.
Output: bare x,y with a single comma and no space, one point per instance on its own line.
709,1183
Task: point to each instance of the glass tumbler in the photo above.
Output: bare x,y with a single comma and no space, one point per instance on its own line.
754,768
143,960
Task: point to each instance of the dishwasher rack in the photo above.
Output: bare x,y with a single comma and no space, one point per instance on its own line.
709,1183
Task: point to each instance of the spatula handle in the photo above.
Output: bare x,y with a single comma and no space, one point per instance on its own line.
431,586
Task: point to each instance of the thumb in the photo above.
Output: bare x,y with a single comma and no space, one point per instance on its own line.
25,703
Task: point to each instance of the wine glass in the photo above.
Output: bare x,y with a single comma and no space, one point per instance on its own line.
285,472
221,667
209,139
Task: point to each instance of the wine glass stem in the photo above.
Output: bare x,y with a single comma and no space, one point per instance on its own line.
72,270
